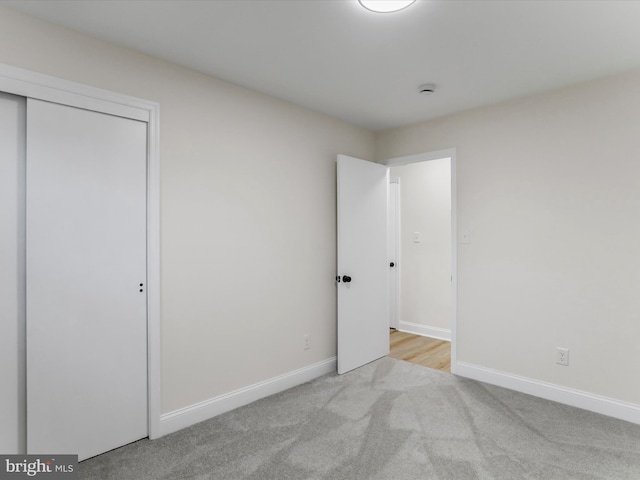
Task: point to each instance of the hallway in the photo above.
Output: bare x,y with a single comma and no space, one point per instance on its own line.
425,351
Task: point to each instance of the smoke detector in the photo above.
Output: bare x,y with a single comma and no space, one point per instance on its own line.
426,89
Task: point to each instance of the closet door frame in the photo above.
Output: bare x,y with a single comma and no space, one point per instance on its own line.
29,84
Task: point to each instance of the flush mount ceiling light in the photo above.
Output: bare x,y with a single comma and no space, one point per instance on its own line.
385,6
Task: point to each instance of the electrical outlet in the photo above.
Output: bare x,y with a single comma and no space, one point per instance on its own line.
562,356
306,342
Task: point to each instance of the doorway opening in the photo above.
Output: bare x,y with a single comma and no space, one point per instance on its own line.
424,351
422,258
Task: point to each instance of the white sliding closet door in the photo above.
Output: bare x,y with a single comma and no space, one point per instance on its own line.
86,280
12,361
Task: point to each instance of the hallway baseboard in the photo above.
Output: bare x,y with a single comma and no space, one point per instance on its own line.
425,330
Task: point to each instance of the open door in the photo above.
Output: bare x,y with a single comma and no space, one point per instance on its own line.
393,245
363,268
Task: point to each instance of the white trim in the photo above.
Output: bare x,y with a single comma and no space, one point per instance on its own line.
454,261
576,398
420,157
425,330
154,312
52,89
436,155
198,412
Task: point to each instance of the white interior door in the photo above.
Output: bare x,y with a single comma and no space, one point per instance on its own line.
363,299
394,252
86,280
12,309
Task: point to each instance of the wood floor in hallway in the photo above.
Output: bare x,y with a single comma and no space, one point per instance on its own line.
425,351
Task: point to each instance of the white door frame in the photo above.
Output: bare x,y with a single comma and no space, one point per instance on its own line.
25,83
435,155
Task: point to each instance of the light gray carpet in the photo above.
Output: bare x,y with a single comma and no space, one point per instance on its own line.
389,420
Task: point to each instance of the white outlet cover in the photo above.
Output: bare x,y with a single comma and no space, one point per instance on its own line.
562,356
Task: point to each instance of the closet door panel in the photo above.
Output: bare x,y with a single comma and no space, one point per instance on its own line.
12,321
86,280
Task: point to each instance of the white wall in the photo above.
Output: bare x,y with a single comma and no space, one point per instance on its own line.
425,267
248,212
549,188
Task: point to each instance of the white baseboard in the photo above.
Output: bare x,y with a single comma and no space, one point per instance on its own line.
425,331
576,398
187,416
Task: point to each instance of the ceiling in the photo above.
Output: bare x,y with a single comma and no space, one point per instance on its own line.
335,57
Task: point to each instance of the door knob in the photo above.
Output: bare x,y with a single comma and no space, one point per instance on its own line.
346,278
392,264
